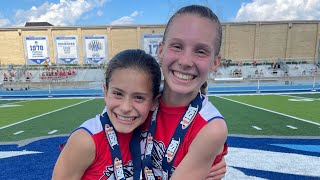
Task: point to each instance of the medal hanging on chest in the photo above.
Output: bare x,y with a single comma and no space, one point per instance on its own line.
179,134
113,142
146,162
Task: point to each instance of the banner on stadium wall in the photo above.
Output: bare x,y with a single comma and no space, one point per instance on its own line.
36,49
95,49
319,52
150,44
66,49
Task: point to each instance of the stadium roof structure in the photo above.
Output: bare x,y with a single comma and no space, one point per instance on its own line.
37,24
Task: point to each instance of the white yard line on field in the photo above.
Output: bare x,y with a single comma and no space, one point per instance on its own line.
275,112
20,102
301,97
53,131
12,104
292,127
257,128
19,132
3,127
8,105
297,97
288,95
17,101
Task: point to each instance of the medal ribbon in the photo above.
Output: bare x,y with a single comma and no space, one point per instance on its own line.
116,152
147,161
179,134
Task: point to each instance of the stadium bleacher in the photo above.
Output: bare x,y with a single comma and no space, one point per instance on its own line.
265,70
75,76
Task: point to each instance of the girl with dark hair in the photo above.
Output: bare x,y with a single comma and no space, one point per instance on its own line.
108,146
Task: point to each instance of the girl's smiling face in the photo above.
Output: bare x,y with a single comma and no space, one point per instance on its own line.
128,98
188,53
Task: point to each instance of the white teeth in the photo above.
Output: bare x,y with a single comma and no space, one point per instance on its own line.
183,76
125,118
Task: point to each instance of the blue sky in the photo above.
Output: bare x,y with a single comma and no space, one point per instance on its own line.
111,12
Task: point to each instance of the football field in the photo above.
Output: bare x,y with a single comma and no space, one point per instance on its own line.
277,134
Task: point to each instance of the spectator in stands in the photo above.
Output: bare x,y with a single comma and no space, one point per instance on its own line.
69,72
216,73
240,73
224,63
73,72
45,64
274,65
314,70
261,72
10,68
5,77
235,73
28,76
56,73
256,72
254,63
229,62
11,76
219,73
49,62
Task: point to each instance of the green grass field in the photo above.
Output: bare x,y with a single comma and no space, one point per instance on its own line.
271,113
265,115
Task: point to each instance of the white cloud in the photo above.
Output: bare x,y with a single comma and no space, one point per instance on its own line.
4,22
275,10
34,8
99,13
66,12
101,2
136,13
127,19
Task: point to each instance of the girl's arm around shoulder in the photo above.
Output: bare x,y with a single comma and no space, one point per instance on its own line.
76,156
201,153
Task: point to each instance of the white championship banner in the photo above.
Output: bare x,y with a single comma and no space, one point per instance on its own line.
66,50
95,49
150,44
36,49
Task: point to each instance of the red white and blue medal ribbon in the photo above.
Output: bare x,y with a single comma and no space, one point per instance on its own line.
116,152
179,134
147,161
